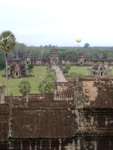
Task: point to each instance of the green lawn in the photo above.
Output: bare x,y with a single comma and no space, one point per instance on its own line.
82,71
112,71
78,71
39,73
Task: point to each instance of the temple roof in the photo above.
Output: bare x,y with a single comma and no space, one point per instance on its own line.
43,120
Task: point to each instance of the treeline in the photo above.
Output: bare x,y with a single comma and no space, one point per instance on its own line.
65,53
72,54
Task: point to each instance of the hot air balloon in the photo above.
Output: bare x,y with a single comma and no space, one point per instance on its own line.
78,41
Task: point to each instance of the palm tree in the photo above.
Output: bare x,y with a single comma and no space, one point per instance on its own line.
7,43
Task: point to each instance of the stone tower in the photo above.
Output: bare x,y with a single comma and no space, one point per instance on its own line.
54,59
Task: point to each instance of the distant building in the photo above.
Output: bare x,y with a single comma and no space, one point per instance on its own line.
18,67
54,57
100,70
82,60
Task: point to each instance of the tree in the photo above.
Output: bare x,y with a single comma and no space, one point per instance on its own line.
66,68
86,45
2,61
25,88
46,86
7,43
30,67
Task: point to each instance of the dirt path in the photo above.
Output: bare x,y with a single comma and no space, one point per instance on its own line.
59,74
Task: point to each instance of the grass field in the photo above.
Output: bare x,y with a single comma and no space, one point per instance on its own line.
82,71
39,73
112,71
78,71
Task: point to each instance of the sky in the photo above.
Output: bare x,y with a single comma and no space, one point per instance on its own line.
58,22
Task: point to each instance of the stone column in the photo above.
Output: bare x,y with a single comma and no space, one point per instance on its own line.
92,121
40,145
78,144
95,145
36,147
50,148
21,145
73,144
30,146
60,144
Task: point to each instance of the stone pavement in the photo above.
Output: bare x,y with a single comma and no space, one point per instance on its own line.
59,74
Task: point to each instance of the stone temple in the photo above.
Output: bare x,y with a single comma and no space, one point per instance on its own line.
80,118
